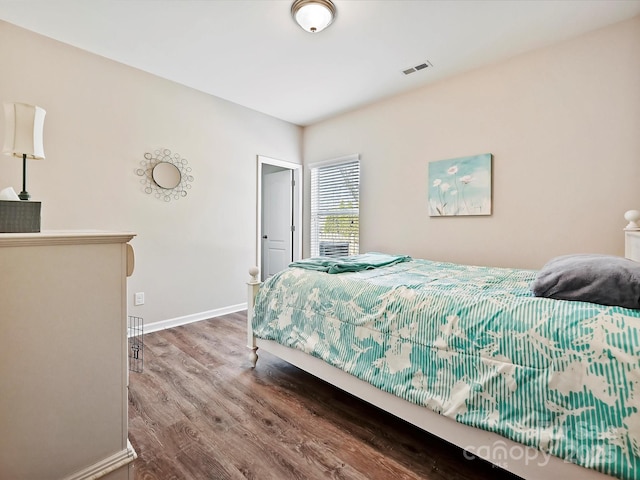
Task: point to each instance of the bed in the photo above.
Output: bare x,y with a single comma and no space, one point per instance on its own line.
541,387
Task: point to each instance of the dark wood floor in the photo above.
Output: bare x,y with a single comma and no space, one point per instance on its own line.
198,411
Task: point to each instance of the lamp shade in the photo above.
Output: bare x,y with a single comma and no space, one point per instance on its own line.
313,15
23,134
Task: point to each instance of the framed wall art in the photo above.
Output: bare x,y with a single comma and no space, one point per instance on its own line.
460,186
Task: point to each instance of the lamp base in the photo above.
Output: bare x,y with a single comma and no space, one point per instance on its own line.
24,195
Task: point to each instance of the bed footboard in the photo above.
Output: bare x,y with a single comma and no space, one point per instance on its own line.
253,285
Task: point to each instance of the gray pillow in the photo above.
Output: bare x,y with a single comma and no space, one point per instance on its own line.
603,279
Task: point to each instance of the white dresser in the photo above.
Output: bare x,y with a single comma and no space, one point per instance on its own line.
63,355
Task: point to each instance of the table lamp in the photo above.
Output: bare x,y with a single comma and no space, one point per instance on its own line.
23,136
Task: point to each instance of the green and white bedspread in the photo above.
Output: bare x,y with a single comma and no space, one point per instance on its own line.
473,344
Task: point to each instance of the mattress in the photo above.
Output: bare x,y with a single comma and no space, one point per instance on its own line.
472,343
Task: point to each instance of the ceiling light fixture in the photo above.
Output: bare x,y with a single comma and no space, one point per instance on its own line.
313,15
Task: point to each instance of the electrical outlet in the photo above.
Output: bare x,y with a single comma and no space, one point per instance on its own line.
138,299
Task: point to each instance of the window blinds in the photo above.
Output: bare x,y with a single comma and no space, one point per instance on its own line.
335,207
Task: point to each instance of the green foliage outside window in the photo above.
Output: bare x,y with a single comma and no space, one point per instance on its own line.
342,227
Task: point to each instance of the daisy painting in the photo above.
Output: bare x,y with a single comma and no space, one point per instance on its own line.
460,186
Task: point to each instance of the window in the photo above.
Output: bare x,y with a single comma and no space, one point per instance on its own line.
335,206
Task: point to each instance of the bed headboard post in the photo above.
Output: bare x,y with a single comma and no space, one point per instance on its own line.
632,245
632,235
254,285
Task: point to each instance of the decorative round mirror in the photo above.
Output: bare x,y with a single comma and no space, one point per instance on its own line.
166,175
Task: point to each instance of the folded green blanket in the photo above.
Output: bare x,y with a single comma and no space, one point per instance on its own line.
354,263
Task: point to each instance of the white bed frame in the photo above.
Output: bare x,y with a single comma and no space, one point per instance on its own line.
527,462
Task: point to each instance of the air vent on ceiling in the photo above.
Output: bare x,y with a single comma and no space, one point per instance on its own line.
422,66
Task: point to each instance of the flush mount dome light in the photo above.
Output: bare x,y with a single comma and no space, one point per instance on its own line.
313,15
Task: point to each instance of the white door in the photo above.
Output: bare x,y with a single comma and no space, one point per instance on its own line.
277,220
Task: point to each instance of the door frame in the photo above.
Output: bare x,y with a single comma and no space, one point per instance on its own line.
296,168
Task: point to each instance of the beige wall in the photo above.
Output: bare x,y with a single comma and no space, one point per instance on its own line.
563,124
192,255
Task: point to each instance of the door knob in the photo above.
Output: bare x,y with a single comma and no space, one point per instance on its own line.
264,236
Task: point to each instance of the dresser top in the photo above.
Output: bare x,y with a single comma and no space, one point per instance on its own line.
64,237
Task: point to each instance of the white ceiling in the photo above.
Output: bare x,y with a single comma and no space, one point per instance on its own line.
252,53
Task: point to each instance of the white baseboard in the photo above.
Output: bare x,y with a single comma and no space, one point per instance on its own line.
106,465
195,317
